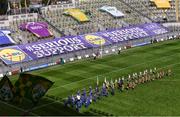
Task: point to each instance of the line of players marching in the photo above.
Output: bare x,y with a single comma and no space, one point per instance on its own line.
122,84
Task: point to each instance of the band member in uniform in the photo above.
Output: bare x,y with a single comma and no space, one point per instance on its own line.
139,79
169,72
107,85
104,91
116,83
122,83
149,77
155,71
128,83
153,77
136,78
142,79
145,77
158,75
112,88
133,84
97,92
163,73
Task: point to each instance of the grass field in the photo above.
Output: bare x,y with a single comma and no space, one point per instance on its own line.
160,97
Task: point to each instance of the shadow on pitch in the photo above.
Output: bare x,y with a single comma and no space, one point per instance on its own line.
46,107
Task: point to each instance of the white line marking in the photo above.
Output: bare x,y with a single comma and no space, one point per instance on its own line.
157,80
110,72
38,107
55,101
17,108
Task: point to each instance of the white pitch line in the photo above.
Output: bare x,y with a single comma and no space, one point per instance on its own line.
38,107
116,69
17,108
60,102
110,72
97,63
71,63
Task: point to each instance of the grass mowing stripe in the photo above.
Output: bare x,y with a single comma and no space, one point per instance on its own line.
94,76
107,73
160,94
170,80
15,107
128,52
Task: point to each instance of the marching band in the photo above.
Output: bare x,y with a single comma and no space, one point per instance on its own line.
122,84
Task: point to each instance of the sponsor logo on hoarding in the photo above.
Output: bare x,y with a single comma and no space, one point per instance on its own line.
94,39
13,55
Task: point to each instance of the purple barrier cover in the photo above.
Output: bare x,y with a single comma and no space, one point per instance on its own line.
5,38
54,47
40,29
67,44
133,32
74,43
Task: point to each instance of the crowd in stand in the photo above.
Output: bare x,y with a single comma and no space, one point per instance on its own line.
85,98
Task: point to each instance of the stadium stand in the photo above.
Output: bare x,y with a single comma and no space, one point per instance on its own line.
22,37
99,21
150,10
6,40
135,12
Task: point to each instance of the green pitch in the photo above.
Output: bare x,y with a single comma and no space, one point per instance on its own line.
160,97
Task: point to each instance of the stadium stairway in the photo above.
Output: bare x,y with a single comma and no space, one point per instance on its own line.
49,23
148,18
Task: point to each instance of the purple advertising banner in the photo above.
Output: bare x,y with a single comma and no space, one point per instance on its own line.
54,47
68,44
5,39
39,29
74,43
133,32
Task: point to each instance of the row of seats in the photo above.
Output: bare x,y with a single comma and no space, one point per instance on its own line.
100,21
149,9
23,37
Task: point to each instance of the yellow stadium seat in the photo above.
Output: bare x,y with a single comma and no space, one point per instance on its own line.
162,3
